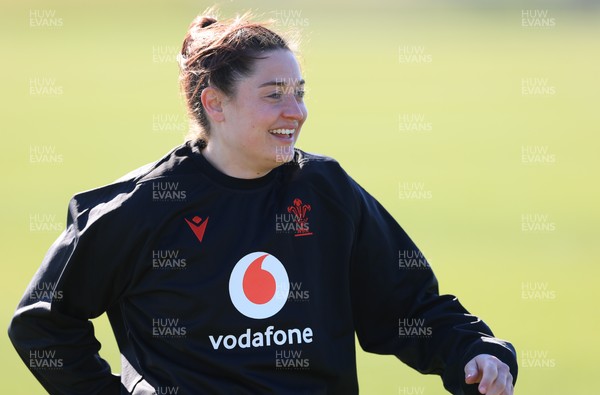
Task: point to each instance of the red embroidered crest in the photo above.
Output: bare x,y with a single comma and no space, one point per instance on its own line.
299,210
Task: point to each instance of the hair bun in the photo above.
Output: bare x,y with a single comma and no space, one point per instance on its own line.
206,21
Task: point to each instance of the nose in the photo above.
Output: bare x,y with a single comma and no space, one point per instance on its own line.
294,109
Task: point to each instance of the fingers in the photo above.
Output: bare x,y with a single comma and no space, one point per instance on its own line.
490,372
493,375
502,383
472,375
509,385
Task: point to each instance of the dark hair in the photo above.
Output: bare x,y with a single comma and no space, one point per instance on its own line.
218,54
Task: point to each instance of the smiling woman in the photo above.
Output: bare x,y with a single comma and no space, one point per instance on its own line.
244,94
201,257
261,121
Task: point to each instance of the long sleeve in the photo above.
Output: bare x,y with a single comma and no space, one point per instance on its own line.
398,309
81,276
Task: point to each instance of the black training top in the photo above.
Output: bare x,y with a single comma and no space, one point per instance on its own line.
219,285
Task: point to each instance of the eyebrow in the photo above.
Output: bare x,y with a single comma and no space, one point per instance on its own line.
281,82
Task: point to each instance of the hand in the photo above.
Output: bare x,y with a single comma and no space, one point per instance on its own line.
492,374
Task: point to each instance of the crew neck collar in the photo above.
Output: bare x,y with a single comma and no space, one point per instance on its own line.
225,180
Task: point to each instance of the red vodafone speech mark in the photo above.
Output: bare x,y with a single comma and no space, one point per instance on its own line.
259,285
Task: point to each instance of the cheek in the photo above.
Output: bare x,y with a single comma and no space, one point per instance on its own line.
264,117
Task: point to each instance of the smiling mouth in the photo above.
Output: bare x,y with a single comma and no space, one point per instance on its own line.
283,132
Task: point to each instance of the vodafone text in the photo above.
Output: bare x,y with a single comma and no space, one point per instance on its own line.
250,339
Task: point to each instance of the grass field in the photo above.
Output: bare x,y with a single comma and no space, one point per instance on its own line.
478,129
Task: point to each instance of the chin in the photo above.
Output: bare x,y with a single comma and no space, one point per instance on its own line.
283,154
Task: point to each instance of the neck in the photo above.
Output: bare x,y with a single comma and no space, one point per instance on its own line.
230,163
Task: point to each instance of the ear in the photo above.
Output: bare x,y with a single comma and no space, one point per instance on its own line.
212,100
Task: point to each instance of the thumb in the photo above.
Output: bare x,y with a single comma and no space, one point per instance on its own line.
472,372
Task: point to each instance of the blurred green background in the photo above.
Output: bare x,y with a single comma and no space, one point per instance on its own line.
475,125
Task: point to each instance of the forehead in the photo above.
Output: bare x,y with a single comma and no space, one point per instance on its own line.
279,66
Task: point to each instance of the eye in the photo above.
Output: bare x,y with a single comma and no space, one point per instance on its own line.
276,95
300,93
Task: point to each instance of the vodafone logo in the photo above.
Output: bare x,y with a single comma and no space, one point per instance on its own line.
259,285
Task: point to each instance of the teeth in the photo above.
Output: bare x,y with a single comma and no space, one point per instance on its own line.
286,132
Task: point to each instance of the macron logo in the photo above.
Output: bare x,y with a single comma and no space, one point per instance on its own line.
198,226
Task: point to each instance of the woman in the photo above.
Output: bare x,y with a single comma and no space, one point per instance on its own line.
239,264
